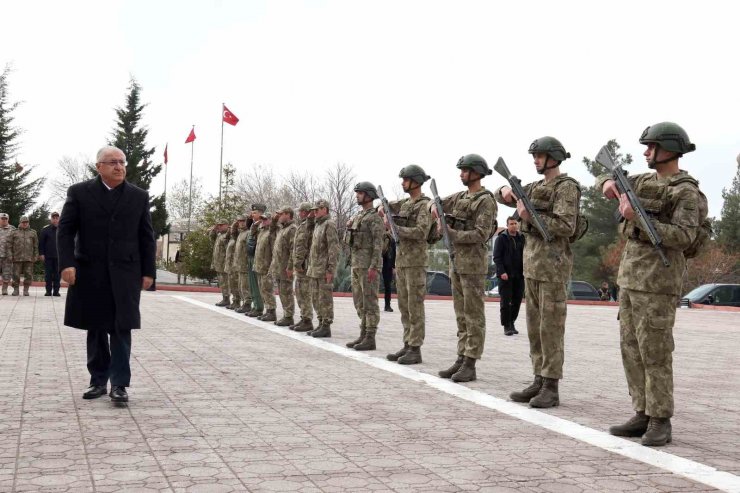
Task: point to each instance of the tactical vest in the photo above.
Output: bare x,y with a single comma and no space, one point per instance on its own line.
407,221
543,201
358,234
464,212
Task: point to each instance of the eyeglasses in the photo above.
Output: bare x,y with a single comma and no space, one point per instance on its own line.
114,162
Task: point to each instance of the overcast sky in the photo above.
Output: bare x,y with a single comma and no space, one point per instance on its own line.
377,84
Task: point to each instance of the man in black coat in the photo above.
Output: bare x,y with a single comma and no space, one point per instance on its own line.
106,254
508,254
48,253
389,267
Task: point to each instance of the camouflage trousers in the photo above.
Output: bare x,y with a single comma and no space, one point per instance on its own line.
303,296
223,283
244,290
467,298
285,290
321,299
646,340
267,290
411,286
6,269
254,287
365,298
234,284
546,309
22,269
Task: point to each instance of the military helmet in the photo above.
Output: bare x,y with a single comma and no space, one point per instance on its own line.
551,146
670,136
368,188
476,163
415,173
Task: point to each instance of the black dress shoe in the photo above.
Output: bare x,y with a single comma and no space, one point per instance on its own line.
118,394
94,392
47,293
57,294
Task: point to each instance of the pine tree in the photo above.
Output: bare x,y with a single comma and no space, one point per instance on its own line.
728,227
130,136
18,191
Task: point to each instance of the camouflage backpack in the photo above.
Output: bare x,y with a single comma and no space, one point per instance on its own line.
705,232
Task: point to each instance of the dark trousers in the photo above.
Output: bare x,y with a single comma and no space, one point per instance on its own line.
106,361
511,292
387,280
51,274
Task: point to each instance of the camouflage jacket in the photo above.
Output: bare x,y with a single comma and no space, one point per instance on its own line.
413,221
365,239
324,248
219,251
557,203
471,229
265,243
229,257
302,244
673,205
240,251
5,240
24,245
282,252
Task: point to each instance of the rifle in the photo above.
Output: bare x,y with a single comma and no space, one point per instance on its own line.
516,187
445,232
388,214
605,158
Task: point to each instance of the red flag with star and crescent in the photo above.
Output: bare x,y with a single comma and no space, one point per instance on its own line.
191,136
165,153
229,117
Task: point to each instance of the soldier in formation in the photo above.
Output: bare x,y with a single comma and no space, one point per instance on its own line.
547,267
282,260
470,217
322,266
364,235
240,268
301,248
6,262
229,267
413,220
266,232
218,236
24,250
257,310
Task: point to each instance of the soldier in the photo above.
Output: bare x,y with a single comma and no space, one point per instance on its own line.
254,288
229,267
322,265
301,248
282,264
218,235
6,262
413,221
240,267
24,250
364,235
547,267
649,290
267,230
472,215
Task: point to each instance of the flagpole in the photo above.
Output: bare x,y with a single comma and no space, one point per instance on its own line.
221,161
190,200
167,254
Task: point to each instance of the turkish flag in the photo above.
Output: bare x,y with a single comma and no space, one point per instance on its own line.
191,136
229,117
165,154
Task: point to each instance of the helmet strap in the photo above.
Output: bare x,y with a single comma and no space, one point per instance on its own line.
652,164
546,167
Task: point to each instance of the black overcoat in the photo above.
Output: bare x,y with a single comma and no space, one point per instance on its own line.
108,237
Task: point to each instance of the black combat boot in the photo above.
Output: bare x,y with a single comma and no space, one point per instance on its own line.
548,394
367,343
323,330
466,373
527,394
304,325
399,353
234,304
224,301
254,313
245,308
269,315
453,369
15,291
508,330
636,426
5,289
352,344
412,356
284,322
25,290
658,432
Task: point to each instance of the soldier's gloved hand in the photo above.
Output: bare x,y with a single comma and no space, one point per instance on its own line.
69,275
372,274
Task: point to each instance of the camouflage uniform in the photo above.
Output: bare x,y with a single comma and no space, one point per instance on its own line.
470,226
254,288
547,268
219,258
282,261
322,259
413,221
6,263
229,270
365,238
649,291
301,249
262,260
241,268
24,250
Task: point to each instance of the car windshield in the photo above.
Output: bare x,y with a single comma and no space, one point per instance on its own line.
699,292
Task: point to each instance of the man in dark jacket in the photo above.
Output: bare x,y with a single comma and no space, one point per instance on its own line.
48,253
389,268
106,254
507,255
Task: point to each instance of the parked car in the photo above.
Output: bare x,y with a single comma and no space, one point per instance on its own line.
439,283
713,294
581,290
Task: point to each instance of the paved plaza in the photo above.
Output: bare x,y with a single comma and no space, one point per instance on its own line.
221,402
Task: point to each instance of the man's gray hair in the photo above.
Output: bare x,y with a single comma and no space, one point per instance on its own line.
105,149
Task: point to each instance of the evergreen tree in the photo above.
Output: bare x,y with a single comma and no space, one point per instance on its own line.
728,227
18,191
130,136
